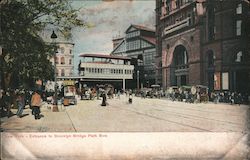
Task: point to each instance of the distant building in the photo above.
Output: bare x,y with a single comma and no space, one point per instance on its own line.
105,69
204,42
138,44
64,60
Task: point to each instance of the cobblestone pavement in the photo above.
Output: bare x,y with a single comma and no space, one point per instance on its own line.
207,131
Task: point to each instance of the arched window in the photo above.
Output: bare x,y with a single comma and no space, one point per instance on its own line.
70,61
62,60
57,60
62,72
181,57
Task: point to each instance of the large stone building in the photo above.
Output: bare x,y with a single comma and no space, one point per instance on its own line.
204,42
138,44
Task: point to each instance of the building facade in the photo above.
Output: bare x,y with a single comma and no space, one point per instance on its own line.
64,60
103,69
138,44
204,42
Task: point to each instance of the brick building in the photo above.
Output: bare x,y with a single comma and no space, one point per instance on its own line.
204,42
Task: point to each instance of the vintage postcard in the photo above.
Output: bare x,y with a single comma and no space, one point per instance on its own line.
125,79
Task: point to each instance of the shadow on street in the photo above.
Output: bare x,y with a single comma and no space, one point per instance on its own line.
5,114
24,115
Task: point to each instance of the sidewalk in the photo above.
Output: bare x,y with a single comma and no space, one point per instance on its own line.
50,121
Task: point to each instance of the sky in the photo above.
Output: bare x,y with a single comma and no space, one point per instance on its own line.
107,19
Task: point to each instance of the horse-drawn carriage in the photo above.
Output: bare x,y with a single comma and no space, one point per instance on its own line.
197,93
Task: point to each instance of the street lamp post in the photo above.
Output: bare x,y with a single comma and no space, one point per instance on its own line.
139,63
138,79
146,80
55,107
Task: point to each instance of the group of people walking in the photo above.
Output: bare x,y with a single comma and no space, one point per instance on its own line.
20,98
229,97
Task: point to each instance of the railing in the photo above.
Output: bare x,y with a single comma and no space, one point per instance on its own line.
177,26
181,67
106,71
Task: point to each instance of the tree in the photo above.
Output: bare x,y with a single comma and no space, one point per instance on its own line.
25,55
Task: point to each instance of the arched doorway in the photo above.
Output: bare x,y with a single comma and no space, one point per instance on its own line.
179,67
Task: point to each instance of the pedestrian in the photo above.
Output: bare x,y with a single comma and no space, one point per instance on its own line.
216,98
186,96
232,98
20,103
104,99
130,98
198,100
2,103
144,94
8,102
239,99
118,94
98,93
36,103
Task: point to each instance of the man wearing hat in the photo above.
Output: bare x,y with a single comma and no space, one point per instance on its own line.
36,103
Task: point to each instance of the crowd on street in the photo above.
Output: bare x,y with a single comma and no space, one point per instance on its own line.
20,98
198,97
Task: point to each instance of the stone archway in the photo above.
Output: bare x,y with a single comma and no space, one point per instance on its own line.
168,68
179,66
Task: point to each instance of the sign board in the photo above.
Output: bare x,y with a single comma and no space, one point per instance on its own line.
68,83
217,81
225,84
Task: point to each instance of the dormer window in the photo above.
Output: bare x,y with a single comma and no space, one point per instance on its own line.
238,57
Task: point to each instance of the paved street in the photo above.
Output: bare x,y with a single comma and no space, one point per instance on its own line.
177,130
143,115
